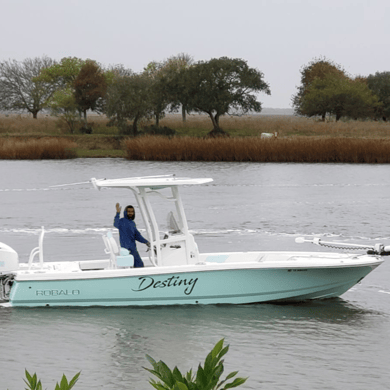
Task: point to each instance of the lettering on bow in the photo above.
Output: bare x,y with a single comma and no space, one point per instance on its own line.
173,281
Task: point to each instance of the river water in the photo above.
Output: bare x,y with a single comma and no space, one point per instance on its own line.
335,344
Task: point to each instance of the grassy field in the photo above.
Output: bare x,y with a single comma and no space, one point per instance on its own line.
299,139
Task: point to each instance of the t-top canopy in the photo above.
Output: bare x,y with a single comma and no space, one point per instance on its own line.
152,182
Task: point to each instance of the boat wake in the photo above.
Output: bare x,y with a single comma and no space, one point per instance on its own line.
197,232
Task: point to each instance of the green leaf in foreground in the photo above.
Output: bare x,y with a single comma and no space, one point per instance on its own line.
34,384
206,378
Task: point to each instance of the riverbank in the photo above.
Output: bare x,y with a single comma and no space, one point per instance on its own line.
298,140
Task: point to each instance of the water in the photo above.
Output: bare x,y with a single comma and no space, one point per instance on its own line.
336,344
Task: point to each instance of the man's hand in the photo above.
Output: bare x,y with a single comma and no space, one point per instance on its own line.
118,208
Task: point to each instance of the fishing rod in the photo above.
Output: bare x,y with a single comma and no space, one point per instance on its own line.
378,249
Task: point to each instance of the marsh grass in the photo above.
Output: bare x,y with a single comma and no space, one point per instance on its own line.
255,149
49,125
46,148
299,140
200,125
285,126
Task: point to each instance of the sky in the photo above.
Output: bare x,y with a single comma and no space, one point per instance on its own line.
277,37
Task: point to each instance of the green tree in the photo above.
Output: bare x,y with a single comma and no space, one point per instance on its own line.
62,76
218,87
159,97
89,86
19,91
379,84
63,105
129,98
316,70
340,96
170,69
63,73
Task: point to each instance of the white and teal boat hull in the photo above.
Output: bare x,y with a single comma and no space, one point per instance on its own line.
210,283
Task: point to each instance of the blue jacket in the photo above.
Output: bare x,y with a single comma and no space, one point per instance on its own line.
128,232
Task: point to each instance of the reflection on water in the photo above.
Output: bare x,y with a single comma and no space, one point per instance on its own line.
109,344
333,344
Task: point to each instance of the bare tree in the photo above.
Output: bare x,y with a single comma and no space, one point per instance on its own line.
19,91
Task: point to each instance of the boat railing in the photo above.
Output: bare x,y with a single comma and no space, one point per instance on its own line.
37,251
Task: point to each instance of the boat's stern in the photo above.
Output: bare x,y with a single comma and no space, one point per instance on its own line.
9,263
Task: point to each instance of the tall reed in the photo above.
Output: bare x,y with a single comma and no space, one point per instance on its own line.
37,149
255,149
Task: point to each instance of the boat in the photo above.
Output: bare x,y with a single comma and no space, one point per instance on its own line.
177,273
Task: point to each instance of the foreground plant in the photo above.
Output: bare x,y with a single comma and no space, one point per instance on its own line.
206,378
34,384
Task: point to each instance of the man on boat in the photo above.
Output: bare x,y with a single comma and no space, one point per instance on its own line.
128,232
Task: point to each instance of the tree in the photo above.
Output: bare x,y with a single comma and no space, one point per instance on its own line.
170,69
159,97
220,86
129,98
63,73
89,86
379,84
19,90
63,105
62,76
316,70
340,96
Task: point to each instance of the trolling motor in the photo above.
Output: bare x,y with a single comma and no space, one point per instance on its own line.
377,249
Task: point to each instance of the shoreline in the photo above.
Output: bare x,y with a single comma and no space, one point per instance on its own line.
298,149
299,140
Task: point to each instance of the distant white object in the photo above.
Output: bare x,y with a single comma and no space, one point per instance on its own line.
269,135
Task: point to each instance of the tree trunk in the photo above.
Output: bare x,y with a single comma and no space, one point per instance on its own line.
214,121
183,113
85,118
157,120
135,126
216,117
323,117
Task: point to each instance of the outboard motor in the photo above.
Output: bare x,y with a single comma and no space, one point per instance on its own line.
9,259
9,262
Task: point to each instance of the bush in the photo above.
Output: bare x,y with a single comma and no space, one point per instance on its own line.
206,378
156,130
86,129
37,149
34,383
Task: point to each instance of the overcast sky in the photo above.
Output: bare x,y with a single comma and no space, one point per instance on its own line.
277,37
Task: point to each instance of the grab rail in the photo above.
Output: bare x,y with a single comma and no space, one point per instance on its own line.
37,250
